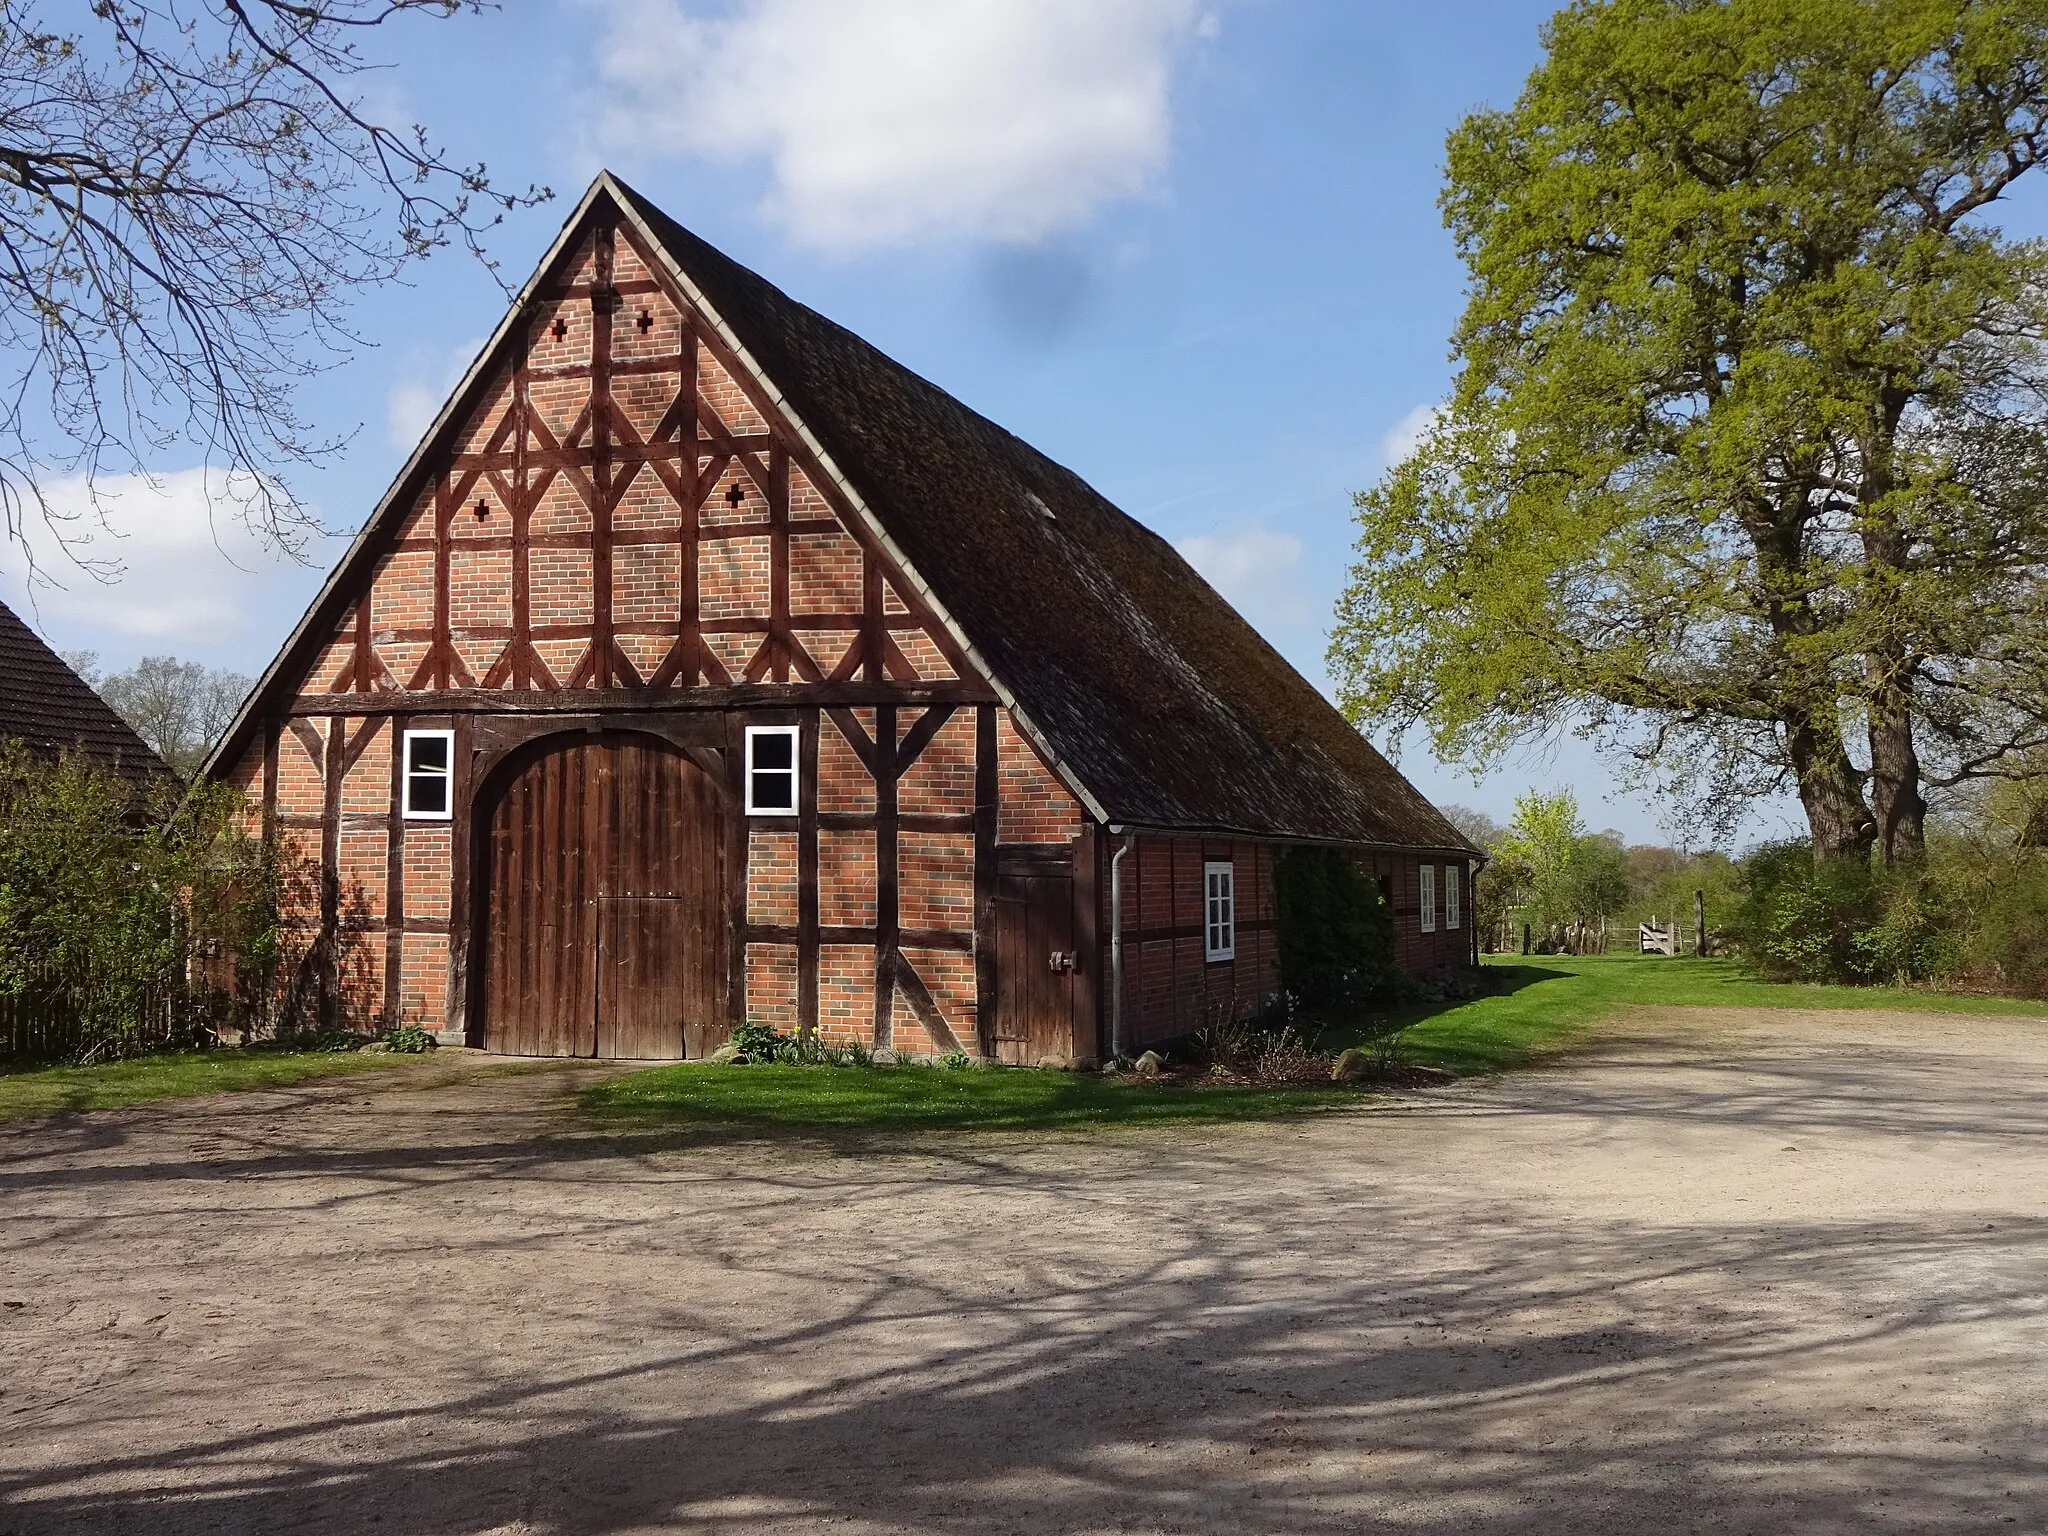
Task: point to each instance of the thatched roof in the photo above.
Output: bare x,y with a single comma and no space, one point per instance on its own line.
1153,691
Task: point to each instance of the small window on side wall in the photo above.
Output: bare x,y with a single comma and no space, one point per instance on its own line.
771,770
1451,897
429,775
1219,893
1428,898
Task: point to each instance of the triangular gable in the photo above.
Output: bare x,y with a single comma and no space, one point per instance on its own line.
708,543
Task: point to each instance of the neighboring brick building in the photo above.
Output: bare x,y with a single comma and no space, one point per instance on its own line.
703,664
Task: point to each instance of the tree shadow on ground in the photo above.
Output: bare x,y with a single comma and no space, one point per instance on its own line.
458,1324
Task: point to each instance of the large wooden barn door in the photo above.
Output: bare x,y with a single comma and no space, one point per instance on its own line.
606,895
1034,967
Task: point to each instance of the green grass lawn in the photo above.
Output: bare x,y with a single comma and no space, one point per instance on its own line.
1540,1004
908,1098
1543,1001
174,1075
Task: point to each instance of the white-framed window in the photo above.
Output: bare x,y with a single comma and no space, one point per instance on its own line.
1428,873
1451,899
771,770
429,783
1219,907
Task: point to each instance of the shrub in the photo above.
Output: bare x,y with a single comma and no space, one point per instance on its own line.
410,1040
1336,934
136,919
1845,920
760,1042
1266,1048
2000,941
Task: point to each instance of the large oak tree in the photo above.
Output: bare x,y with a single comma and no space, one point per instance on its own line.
1744,471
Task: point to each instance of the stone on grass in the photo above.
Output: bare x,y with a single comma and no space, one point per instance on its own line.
729,1054
375,1048
1151,1064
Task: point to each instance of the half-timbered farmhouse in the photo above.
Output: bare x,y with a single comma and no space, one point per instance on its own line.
705,665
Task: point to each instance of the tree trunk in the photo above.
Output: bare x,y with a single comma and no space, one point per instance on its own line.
1901,812
1895,798
1830,787
1807,705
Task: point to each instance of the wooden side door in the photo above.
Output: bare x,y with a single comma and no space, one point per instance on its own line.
1034,967
607,904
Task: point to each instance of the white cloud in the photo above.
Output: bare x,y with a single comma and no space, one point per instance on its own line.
1257,568
417,397
178,570
898,120
408,413
1406,435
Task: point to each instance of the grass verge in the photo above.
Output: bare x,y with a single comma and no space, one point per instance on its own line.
173,1075
934,1099
1543,1002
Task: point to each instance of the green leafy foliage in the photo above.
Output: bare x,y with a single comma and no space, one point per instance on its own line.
1967,916
105,888
410,1040
760,1043
1747,438
1336,935
132,920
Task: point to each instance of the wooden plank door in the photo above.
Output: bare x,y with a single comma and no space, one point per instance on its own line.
605,933
1034,967
539,940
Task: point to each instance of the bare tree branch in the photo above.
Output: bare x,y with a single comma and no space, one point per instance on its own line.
191,191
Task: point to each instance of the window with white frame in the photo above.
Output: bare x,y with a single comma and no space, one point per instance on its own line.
429,776
1428,898
771,770
1451,881
1219,900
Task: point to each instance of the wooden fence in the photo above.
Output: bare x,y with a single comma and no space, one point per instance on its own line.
47,1022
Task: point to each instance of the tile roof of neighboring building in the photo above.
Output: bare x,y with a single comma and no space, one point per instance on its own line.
50,707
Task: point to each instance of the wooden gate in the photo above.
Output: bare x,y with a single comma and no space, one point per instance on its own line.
605,923
1035,963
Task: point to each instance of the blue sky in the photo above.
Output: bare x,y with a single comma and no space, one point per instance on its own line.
1188,247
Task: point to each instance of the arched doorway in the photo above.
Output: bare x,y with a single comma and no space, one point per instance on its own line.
605,902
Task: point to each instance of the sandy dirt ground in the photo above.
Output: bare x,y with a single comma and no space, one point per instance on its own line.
1720,1272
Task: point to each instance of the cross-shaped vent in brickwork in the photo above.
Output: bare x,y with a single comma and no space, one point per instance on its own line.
645,322
483,509
561,327
735,494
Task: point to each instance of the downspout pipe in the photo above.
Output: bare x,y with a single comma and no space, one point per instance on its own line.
1116,945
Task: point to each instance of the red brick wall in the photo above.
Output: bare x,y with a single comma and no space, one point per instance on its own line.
1171,988
1034,807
